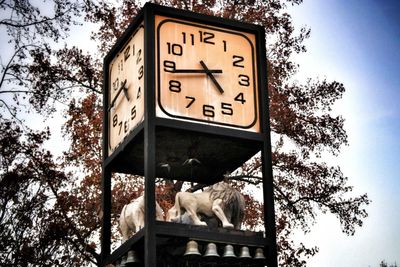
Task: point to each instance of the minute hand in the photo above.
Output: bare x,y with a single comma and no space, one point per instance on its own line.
209,74
196,71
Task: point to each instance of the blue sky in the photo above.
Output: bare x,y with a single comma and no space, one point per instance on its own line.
357,42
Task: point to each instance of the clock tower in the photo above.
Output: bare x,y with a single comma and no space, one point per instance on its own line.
180,85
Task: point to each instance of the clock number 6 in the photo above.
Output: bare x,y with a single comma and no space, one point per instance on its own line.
208,111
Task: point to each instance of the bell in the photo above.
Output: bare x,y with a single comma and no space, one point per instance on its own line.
259,255
229,252
123,261
192,248
211,250
244,253
132,258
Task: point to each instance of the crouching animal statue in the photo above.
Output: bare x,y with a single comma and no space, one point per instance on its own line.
220,200
131,219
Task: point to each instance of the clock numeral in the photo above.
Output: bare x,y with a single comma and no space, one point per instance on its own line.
169,66
123,125
240,98
120,127
133,113
208,111
244,80
175,49
206,37
115,84
115,120
126,126
139,93
175,86
191,37
139,56
120,66
140,72
191,101
227,109
237,60
127,52
224,42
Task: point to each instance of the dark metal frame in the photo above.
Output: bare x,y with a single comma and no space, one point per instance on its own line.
146,132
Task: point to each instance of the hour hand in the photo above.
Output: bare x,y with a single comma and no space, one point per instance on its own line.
209,74
121,88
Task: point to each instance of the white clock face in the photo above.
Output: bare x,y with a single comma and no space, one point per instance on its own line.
206,74
126,85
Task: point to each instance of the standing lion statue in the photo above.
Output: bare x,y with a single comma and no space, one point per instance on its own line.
219,200
131,219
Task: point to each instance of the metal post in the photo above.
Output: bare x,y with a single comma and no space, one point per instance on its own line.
266,157
149,142
106,222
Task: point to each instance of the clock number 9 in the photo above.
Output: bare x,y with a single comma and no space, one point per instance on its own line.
169,66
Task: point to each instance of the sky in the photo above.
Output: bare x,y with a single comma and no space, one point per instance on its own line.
357,42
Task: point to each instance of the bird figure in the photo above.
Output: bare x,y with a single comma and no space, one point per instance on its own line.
191,161
166,166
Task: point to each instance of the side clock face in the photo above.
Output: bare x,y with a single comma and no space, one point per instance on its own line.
206,74
125,89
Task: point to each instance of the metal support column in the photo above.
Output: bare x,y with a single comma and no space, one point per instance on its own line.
149,143
106,221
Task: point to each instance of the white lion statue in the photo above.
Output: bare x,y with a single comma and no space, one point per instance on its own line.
131,219
220,200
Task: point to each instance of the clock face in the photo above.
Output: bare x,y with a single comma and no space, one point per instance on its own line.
125,89
206,74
